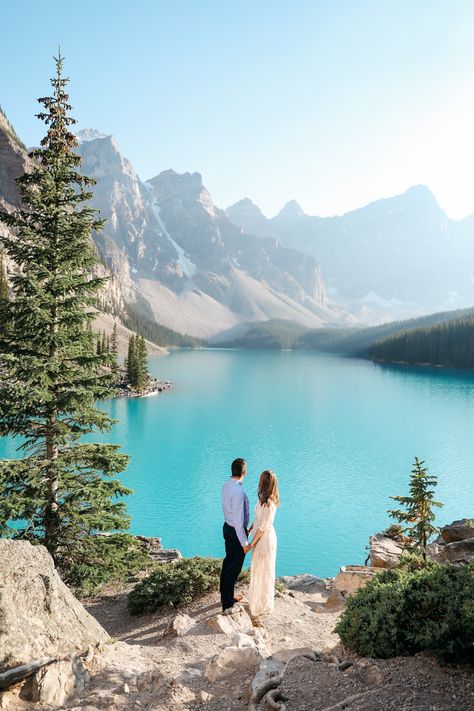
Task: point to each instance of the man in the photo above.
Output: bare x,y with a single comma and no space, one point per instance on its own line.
235,506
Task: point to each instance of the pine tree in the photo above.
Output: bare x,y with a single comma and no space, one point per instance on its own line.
63,488
418,513
136,362
114,349
3,279
142,363
103,345
4,293
131,362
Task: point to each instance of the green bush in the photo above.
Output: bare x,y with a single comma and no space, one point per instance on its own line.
408,610
176,583
99,560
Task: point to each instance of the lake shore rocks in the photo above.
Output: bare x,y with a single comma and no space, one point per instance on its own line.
458,530
154,387
351,578
455,544
305,582
384,551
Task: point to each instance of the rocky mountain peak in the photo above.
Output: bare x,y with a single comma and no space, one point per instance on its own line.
89,134
244,207
101,153
170,185
291,210
185,187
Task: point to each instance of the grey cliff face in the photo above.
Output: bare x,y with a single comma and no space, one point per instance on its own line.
14,162
216,246
169,234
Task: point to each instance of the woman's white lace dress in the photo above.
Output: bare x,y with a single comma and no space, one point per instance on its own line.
262,571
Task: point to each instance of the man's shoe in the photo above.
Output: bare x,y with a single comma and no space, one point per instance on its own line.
227,611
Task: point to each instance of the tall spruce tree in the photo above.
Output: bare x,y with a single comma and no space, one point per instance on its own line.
63,488
131,361
4,293
418,515
136,363
114,349
142,363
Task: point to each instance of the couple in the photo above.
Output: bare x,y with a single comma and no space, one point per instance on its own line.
235,505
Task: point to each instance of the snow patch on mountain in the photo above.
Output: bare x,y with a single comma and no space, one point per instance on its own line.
89,134
187,266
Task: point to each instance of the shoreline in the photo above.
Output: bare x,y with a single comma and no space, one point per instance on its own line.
154,387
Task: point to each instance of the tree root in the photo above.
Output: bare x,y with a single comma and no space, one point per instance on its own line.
350,699
274,700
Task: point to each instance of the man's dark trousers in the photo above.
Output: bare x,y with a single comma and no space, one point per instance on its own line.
231,566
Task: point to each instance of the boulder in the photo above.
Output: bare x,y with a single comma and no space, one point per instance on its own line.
304,582
40,615
179,625
285,655
166,555
435,551
268,677
241,640
56,683
230,660
458,551
335,602
237,621
384,552
458,530
352,577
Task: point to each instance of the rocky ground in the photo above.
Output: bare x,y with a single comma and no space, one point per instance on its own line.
196,659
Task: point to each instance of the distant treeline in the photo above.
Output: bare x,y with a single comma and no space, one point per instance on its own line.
450,344
139,318
445,338
275,335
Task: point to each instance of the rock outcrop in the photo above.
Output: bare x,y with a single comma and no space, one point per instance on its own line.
458,530
384,551
351,578
40,616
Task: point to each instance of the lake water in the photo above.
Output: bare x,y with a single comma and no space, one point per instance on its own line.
340,433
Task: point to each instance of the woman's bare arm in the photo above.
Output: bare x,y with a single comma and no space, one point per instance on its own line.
257,536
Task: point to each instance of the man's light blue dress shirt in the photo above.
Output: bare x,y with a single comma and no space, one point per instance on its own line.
235,505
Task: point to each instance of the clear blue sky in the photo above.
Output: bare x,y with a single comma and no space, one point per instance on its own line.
334,102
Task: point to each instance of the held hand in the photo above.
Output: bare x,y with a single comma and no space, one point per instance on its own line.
247,548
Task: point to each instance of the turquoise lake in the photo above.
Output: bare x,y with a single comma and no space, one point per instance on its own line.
340,433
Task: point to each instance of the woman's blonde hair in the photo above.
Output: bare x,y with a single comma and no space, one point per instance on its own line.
268,488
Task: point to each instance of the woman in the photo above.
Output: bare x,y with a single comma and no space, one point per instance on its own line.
263,545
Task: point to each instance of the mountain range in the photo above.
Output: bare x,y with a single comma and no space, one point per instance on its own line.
396,257
177,259
179,254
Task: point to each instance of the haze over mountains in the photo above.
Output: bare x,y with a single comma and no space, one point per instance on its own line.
180,260
396,257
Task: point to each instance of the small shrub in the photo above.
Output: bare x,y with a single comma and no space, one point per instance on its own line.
175,583
101,560
405,611
395,532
